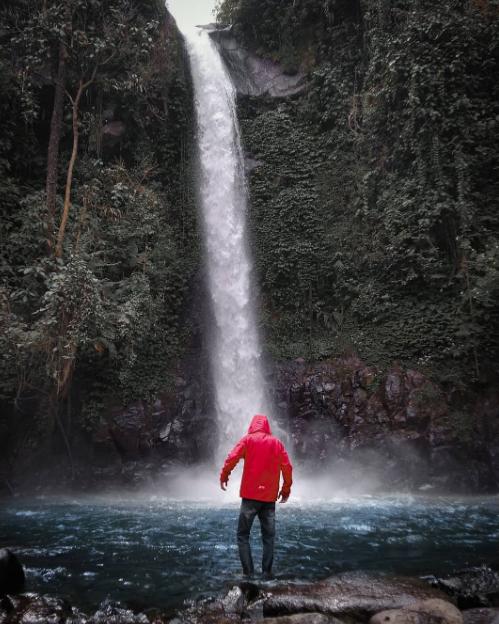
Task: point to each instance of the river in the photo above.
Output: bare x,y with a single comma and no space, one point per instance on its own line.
159,552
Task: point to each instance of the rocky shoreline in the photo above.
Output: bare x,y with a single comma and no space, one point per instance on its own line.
469,596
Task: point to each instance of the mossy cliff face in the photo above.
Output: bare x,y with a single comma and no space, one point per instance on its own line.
367,428
375,230
373,192
97,287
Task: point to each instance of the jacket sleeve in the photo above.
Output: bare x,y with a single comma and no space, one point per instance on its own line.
233,457
287,473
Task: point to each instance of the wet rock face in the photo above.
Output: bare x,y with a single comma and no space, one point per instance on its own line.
352,598
352,594
255,76
481,616
396,424
303,618
342,599
433,611
176,426
487,417
114,612
471,587
36,609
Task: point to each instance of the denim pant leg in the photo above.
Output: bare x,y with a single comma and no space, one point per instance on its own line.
249,509
266,516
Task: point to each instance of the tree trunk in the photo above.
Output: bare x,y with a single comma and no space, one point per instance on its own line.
54,141
82,87
69,176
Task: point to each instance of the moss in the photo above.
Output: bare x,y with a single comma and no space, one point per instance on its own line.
373,204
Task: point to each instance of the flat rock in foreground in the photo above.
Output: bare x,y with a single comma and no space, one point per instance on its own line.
481,616
357,595
303,618
433,611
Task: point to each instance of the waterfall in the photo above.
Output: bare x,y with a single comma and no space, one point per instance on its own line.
235,350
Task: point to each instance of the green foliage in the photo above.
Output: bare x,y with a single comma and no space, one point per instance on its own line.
292,32
110,314
375,201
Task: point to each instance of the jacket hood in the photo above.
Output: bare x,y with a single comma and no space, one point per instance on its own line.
259,423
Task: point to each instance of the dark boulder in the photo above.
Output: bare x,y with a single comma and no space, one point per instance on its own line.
481,616
12,577
472,587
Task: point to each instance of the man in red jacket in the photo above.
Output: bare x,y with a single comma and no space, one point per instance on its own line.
264,459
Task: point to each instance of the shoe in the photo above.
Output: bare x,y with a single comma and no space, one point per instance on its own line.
268,576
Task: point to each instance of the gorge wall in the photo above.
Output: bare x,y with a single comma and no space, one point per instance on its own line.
100,298
374,216
373,194
369,134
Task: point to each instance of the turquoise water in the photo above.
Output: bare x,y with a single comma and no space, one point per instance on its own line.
160,552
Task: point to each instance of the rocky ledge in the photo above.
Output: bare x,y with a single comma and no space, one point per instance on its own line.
357,598
391,429
253,75
468,597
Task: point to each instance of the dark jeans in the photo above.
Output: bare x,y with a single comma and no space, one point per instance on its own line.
266,514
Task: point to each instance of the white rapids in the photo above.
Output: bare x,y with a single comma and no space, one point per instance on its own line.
236,352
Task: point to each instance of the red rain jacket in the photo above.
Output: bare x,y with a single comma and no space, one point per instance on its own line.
264,459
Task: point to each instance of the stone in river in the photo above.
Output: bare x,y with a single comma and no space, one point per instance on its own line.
12,577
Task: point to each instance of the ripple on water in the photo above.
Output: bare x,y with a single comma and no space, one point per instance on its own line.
53,551
47,575
405,539
28,513
358,528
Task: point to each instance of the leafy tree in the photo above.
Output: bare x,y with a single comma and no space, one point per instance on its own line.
103,315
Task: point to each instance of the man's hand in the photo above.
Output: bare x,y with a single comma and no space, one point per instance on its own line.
223,484
283,498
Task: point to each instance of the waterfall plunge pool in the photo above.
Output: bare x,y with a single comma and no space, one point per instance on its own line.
159,552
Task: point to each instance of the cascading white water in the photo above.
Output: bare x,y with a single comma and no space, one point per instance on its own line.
235,353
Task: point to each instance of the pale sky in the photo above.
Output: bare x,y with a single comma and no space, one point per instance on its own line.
191,12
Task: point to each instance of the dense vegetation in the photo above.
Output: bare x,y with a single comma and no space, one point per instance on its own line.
375,200
97,227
